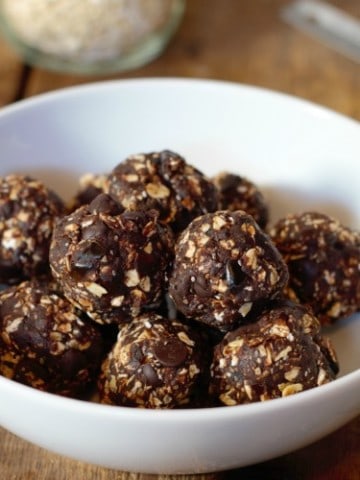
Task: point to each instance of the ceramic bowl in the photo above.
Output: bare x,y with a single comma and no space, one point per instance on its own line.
303,156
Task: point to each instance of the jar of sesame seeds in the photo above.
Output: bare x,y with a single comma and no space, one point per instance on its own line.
89,36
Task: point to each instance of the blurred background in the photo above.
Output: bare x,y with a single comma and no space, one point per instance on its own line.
235,40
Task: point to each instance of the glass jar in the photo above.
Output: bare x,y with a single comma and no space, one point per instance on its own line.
89,36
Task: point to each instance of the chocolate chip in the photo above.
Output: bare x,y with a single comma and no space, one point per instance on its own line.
71,361
7,210
201,287
103,203
234,274
136,353
171,353
150,375
32,333
96,229
306,267
88,255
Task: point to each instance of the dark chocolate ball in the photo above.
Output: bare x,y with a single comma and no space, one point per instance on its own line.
239,193
155,363
280,354
45,342
323,258
224,267
163,181
28,211
109,263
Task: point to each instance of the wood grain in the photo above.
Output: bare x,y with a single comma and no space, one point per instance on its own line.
11,74
246,42
234,40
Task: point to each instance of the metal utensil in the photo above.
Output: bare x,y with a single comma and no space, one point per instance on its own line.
331,25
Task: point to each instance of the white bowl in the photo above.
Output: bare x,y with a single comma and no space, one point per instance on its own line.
302,155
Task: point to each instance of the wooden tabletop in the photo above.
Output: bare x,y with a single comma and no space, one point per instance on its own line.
241,41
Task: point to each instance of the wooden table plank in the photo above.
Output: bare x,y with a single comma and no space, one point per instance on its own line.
11,69
246,42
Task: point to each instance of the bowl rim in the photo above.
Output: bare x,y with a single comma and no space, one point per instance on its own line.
58,94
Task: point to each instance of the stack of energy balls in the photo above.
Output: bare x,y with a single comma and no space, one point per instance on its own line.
163,288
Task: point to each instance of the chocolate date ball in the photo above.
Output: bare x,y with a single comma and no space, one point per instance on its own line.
224,267
280,354
323,258
28,210
166,182
109,263
155,363
45,342
239,193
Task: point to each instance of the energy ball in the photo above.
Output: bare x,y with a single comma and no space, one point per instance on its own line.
323,259
155,363
45,342
239,193
109,263
28,211
165,182
280,354
224,267
90,186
